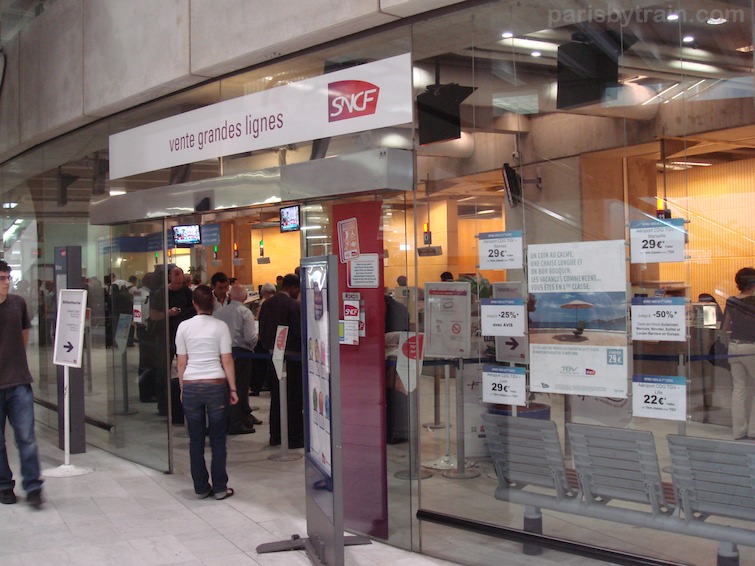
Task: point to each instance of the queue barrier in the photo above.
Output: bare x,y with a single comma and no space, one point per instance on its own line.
618,479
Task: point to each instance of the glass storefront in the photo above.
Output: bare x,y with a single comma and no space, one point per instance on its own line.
584,175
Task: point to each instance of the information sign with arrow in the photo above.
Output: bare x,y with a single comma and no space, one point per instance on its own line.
69,328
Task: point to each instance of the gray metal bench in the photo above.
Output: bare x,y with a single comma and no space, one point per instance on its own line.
713,478
618,474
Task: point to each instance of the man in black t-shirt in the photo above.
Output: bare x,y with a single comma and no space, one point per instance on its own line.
180,308
16,397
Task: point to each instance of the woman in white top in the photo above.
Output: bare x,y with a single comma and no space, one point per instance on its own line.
206,376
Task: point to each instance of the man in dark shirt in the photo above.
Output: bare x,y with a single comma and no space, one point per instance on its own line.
180,308
283,309
16,398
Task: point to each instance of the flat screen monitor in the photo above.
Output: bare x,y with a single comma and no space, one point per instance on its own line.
512,182
290,219
187,235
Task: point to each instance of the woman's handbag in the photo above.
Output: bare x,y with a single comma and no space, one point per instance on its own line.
718,354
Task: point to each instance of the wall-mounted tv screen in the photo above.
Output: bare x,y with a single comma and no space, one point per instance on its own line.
290,219
187,235
513,185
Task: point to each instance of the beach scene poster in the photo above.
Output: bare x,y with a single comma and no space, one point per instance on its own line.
577,318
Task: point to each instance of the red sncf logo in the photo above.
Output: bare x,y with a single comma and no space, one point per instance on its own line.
349,99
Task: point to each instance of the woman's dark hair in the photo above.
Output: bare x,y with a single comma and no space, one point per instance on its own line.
203,298
745,278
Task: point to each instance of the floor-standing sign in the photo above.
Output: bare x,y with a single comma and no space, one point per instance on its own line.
323,463
68,352
448,331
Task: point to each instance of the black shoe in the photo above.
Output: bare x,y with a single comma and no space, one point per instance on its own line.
242,430
34,498
7,497
254,393
274,442
252,420
296,444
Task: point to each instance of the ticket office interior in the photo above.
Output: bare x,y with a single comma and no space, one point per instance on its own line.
688,140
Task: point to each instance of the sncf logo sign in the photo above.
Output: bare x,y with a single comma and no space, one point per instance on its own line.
350,99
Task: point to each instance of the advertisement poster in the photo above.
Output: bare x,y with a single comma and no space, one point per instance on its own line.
504,385
660,397
659,319
657,240
318,367
448,313
501,250
578,318
510,348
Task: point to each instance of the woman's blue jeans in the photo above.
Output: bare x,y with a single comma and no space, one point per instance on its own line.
206,408
17,407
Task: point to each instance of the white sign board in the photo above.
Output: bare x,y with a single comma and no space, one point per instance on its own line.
122,330
362,98
659,319
364,272
279,349
509,348
657,240
502,317
448,313
69,328
504,385
501,250
659,397
409,356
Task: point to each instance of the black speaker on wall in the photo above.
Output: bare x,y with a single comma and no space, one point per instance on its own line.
438,112
588,66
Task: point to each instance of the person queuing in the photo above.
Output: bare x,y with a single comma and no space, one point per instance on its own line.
220,285
208,384
16,397
260,369
180,308
739,324
283,309
241,324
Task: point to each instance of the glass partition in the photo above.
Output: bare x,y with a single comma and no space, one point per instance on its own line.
601,152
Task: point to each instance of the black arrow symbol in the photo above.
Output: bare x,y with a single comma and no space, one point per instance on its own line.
513,343
68,347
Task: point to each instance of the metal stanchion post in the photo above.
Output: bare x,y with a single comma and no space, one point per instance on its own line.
124,384
461,471
284,455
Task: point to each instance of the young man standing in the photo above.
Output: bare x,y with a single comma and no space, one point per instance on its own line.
16,398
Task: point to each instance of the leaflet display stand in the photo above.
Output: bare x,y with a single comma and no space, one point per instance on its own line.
323,466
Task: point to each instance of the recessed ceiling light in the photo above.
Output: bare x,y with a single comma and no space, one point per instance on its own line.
10,205
716,21
672,17
536,54
507,35
688,38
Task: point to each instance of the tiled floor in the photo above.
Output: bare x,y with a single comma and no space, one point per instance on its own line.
123,513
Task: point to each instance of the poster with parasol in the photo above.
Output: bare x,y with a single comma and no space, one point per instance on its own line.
578,319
